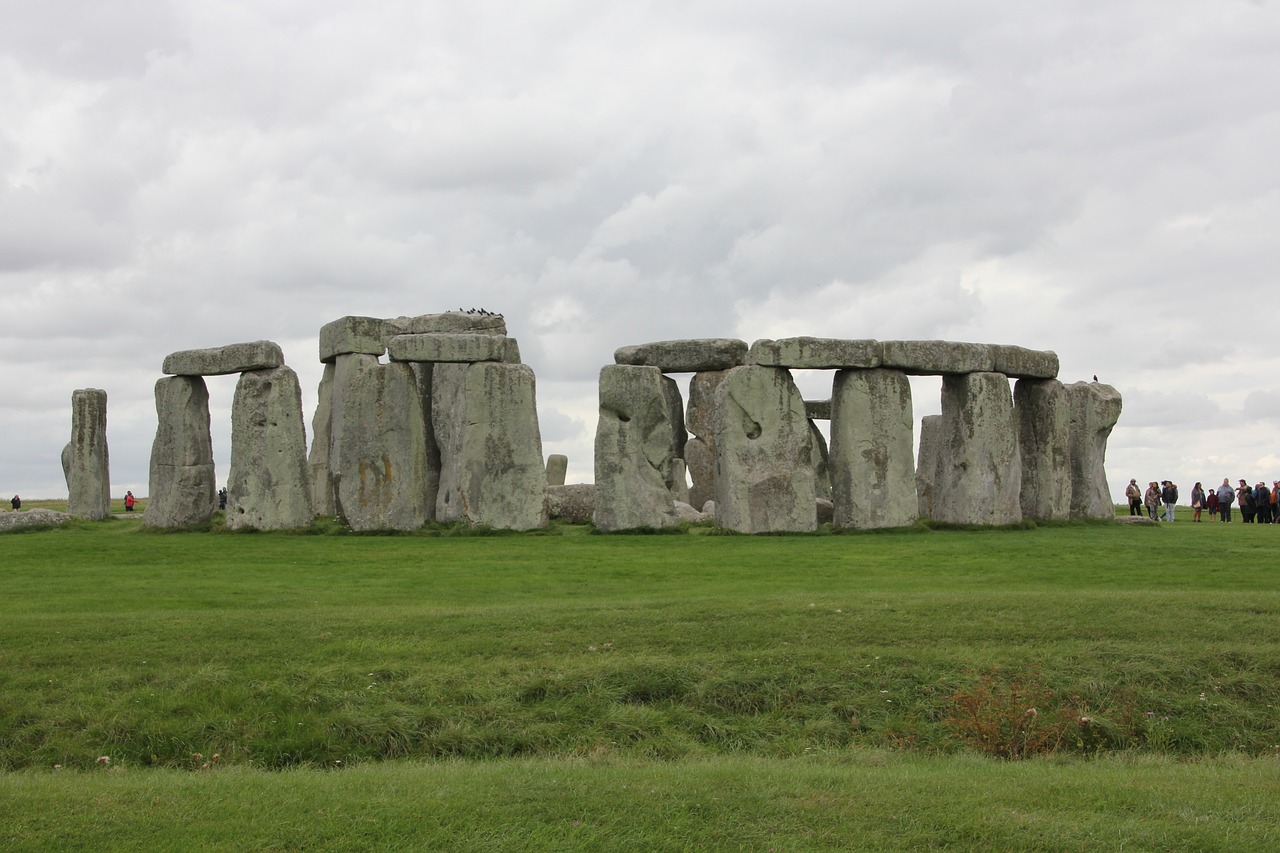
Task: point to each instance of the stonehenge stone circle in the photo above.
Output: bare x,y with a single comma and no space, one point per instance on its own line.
687,356
182,484
872,449
219,361
635,445
87,466
979,478
763,453
1095,408
557,469
1044,423
268,485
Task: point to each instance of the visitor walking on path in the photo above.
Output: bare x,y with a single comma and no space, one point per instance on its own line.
1226,497
1197,501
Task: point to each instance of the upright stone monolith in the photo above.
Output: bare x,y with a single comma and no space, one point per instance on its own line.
182,483
763,452
88,469
872,465
491,469
378,452
1095,408
318,461
268,485
1044,421
927,463
699,450
980,472
557,469
634,449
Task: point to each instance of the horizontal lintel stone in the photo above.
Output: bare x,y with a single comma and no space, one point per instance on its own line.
451,348
348,335
817,410
450,322
937,357
805,353
219,361
1023,363
685,356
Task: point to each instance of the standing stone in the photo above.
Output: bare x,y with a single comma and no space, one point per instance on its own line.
872,465
679,481
1095,408
66,464
491,468
635,443
980,474
378,454
821,463
927,463
699,451
700,462
318,462
268,487
88,471
1044,423
763,452
557,469
182,486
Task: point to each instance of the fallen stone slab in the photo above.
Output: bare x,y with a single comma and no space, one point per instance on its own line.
32,518
219,361
352,335
685,356
932,358
572,504
1023,363
805,353
450,348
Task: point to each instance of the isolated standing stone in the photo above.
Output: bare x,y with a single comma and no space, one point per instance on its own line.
635,444
379,457
980,472
1044,423
763,452
872,465
88,472
927,462
1095,408
491,468
268,486
219,361
182,483
318,462
557,469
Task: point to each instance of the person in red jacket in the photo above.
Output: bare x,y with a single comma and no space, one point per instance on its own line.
129,501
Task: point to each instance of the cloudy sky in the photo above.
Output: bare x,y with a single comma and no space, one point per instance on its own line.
1093,177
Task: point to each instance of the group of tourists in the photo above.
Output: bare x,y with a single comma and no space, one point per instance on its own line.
1257,504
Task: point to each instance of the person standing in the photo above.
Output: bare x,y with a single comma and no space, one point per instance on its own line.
1244,495
1211,501
1134,493
129,501
16,503
1226,497
1169,494
1262,503
1152,500
1197,501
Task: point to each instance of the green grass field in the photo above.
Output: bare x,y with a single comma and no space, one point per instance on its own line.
571,691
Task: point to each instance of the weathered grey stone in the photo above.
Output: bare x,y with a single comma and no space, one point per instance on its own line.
815,353
930,457
449,322
701,464
685,512
89,470
685,356
491,468
818,410
219,361
268,487
709,509
352,335
980,474
936,357
635,445
1044,423
557,469
675,414
448,348
763,452
821,463
1023,363
872,446
32,518
318,462
378,454
825,511
679,482
1094,408
182,485
66,464
572,504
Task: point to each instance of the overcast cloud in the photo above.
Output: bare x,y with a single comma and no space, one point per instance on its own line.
1095,178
